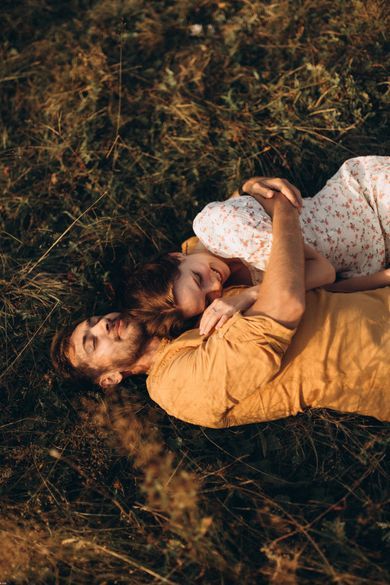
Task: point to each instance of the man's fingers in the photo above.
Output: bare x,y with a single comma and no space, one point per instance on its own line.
289,191
291,196
267,187
265,192
257,187
297,192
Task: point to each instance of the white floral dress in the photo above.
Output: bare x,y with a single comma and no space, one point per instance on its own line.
348,222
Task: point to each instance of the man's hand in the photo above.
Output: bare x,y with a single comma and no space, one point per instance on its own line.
221,310
265,188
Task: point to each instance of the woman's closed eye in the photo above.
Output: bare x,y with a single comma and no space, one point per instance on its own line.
197,278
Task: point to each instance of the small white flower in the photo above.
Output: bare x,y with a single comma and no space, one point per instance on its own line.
196,30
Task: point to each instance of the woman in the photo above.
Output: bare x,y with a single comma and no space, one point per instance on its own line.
347,224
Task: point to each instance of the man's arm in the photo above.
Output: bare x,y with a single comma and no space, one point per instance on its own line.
282,292
318,270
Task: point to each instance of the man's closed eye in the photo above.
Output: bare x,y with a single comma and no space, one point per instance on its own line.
90,345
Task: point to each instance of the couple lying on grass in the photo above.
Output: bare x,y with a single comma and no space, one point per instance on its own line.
280,339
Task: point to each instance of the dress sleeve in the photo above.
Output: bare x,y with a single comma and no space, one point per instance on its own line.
236,228
201,384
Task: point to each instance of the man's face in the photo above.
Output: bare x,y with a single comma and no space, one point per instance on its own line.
200,282
102,342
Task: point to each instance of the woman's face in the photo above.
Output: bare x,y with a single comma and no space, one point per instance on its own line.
200,281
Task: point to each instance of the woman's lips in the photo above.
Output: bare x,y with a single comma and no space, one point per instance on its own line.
223,275
219,275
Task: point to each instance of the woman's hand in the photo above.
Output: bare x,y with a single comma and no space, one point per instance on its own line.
266,187
221,310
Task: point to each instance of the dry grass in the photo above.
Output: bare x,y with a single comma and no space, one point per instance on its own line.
117,125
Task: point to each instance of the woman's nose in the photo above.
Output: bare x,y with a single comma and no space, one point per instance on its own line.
214,291
214,286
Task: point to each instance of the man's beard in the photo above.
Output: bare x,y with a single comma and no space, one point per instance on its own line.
137,341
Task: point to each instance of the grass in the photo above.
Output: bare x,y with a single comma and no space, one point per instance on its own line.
117,124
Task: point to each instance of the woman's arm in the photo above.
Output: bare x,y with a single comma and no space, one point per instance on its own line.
318,270
356,283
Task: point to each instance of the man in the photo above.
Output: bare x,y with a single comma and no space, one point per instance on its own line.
271,362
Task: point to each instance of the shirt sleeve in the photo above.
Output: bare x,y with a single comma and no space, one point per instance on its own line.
200,384
236,228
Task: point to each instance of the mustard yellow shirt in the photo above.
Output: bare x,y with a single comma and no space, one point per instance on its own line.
254,369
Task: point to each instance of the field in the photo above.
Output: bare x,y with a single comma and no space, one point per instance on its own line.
120,119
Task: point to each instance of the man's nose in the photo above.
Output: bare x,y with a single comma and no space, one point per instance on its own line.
102,325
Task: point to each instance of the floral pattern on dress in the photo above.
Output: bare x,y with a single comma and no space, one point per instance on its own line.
348,222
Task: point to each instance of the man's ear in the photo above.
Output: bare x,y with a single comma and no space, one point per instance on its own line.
109,379
178,255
